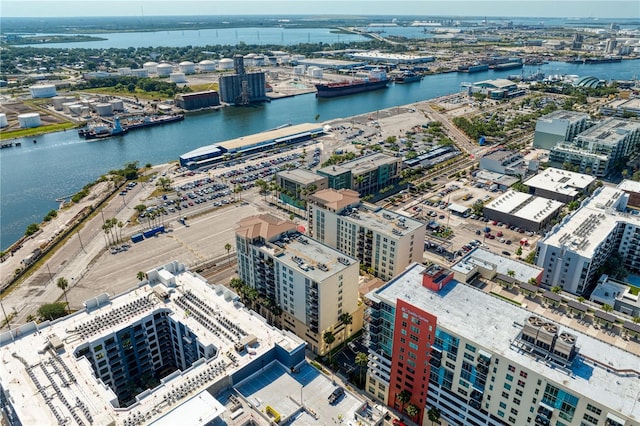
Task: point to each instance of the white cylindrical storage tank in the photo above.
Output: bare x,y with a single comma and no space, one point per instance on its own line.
103,109
124,71
164,70
43,91
117,104
140,72
28,120
3,120
65,107
299,69
75,109
84,111
207,65
315,72
297,57
151,67
187,67
177,77
58,101
225,64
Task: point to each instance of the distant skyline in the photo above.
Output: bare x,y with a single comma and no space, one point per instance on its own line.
512,8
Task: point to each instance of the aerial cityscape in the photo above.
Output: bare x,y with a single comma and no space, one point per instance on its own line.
319,213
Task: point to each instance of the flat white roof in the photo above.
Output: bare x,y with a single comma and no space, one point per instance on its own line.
502,264
560,181
525,206
493,324
629,185
197,411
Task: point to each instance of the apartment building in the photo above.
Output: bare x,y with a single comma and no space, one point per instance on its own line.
596,150
383,241
559,126
484,361
312,283
575,249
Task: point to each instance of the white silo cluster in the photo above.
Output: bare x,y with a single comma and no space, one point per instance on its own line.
3,120
103,109
58,101
225,64
151,67
207,65
164,69
314,72
187,67
177,77
140,72
43,90
29,120
117,104
299,69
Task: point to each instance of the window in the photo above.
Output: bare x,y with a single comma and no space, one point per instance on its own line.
523,374
519,392
510,377
594,409
505,395
512,368
470,347
507,386
590,419
503,405
521,383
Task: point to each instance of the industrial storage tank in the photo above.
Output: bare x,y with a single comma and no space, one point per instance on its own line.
66,107
151,67
117,104
3,120
103,109
299,69
225,64
187,67
164,70
177,77
207,65
42,90
58,101
315,72
124,71
28,120
140,72
76,109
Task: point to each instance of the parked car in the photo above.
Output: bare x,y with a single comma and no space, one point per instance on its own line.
336,395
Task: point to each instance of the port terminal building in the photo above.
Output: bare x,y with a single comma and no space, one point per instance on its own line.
492,362
495,89
288,135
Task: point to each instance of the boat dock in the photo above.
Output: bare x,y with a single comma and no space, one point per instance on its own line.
9,144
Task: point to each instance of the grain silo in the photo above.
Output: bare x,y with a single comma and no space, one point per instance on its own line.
42,90
225,64
29,120
177,77
207,65
164,69
151,67
187,67
3,120
103,109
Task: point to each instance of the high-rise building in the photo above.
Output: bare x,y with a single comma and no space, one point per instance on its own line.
313,284
573,252
480,360
382,240
559,126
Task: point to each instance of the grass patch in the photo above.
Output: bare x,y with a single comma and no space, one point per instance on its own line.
318,366
634,290
506,299
23,133
203,87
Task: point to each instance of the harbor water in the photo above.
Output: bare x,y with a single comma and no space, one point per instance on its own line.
32,175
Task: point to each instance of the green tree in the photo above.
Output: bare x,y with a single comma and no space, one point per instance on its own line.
227,247
328,337
433,414
62,284
412,410
361,361
519,251
140,275
511,273
607,308
31,229
403,397
346,319
52,311
556,289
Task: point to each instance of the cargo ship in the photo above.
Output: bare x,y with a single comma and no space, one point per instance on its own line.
105,130
102,131
408,77
378,80
507,66
148,121
473,68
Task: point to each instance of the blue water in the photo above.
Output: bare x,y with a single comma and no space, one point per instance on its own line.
34,175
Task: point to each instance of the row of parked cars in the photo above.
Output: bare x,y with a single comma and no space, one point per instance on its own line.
251,173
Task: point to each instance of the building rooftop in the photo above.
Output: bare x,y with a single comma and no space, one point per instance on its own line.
499,83
608,290
609,131
494,324
587,227
525,206
493,177
560,181
503,154
361,165
565,115
381,220
265,226
487,259
631,105
270,136
48,384
629,185
301,176
335,200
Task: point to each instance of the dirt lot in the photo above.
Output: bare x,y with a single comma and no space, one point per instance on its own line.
12,110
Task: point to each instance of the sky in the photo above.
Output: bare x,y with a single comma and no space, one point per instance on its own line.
391,8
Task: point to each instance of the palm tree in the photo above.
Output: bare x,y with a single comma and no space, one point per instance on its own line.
346,319
581,299
412,410
607,308
403,397
329,338
120,226
361,360
556,289
227,247
62,284
636,320
434,414
140,275
511,273
236,283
